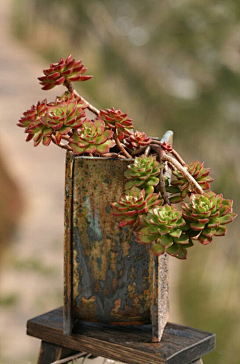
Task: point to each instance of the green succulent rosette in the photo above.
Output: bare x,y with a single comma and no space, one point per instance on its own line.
164,226
143,173
207,215
132,205
180,187
56,119
92,137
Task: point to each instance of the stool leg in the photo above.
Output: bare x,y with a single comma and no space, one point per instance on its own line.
199,361
51,352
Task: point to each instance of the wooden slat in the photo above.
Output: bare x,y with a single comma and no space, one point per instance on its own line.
131,344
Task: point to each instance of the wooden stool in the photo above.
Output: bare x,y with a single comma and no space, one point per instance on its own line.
130,344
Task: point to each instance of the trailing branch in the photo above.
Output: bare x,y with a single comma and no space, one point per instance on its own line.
121,147
195,186
90,107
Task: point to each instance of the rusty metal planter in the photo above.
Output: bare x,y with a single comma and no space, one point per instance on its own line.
108,277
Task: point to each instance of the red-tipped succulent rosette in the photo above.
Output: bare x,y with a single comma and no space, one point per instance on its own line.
117,121
56,119
65,70
132,205
137,139
207,216
92,137
163,227
180,187
143,173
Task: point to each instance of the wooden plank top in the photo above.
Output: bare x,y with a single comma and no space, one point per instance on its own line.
130,344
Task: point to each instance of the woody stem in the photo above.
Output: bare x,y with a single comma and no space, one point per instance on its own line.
120,146
193,183
90,107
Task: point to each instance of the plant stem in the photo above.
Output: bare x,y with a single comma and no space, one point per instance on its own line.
163,188
121,147
90,107
178,157
63,146
161,185
113,155
173,152
139,150
147,151
172,161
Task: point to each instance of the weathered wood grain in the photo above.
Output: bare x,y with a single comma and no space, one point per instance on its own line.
179,344
51,352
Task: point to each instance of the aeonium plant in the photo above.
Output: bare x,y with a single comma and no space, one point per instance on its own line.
150,202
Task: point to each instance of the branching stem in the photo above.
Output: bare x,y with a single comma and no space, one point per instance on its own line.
90,107
172,161
121,147
173,152
63,146
163,188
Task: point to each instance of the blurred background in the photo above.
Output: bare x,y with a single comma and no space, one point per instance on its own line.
169,65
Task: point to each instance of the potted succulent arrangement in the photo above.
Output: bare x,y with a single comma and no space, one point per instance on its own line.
124,214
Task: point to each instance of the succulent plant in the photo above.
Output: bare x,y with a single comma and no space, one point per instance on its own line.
92,137
117,121
167,147
64,70
207,215
164,225
181,186
137,139
155,221
144,173
56,119
133,205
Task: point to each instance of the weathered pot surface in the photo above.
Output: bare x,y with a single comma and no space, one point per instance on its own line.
109,277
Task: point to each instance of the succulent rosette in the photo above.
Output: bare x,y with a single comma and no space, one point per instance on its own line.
64,70
137,139
181,186
56,119
164,225
207,216
133,205
92,137
117,121
167,147
143,173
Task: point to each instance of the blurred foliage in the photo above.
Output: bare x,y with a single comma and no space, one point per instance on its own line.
171,64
